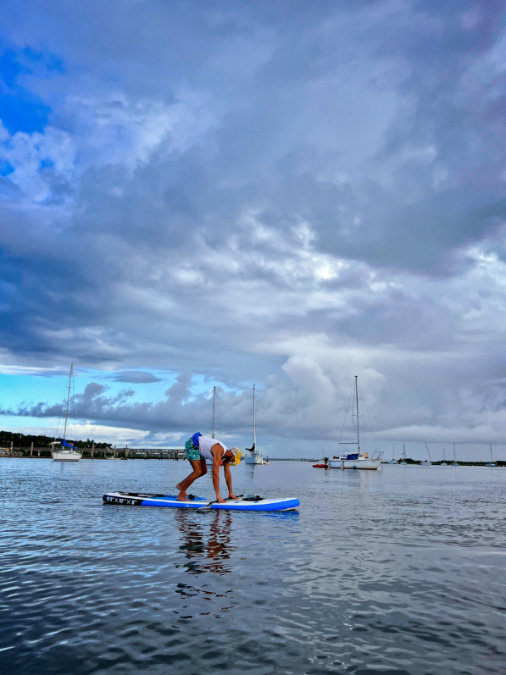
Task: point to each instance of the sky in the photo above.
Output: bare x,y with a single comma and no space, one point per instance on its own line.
209,193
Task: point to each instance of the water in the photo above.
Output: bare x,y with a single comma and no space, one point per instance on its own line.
395,571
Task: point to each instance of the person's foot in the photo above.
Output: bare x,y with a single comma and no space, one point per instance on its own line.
182,497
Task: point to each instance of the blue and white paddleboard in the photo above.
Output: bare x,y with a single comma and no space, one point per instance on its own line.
241,504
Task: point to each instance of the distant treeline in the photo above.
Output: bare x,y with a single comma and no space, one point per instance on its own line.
41,441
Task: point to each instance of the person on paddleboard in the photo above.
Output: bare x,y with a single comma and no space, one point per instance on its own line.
198,448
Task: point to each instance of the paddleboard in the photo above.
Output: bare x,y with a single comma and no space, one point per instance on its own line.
243,504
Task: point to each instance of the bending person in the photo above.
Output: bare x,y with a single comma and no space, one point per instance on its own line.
198,448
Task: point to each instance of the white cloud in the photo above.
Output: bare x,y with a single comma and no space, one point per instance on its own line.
37,158
247,198
115,129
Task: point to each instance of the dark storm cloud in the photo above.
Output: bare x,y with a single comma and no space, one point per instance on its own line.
274,191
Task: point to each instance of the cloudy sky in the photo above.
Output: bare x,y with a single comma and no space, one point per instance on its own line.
207,193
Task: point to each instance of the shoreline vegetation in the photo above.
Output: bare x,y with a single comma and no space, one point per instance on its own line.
20,440
14,444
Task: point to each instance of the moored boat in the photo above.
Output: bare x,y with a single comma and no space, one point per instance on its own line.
66,452
359,459
69,454
209,462
426,462
454,463
356,460
253,456
491,464
443,463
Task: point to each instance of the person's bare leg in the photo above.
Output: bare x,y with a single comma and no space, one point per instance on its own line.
185,484
195,463
181,484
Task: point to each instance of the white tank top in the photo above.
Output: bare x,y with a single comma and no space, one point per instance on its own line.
205,445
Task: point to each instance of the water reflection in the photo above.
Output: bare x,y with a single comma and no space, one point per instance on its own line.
205,541
206,546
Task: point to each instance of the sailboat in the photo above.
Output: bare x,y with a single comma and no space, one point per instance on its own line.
359,459
492,464
214,410
403,458
254,457
209,462
67,452
427,462
393,460
454,463
443,463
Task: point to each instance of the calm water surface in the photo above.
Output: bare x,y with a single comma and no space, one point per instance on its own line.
395,571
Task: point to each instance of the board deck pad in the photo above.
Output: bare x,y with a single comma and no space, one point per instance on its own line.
254,503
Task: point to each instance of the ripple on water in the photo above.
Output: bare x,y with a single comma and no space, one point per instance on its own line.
394,572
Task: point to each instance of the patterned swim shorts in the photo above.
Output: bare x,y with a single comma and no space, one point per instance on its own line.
191,451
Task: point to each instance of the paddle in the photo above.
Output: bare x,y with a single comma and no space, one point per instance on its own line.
207,507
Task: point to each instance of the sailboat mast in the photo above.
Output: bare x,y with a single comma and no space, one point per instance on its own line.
427,447
68,401
254,421
491,456
214,408
358,418
454,457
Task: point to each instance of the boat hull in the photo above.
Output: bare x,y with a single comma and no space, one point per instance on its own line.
363,464
254,458
66,456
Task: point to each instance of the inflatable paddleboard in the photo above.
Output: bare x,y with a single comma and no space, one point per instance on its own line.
241,504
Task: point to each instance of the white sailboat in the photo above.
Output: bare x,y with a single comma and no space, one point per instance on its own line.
443,463
359,459
491,464
253,456
403,457
209,462
214,410
393,460
454,463
66,452
427,462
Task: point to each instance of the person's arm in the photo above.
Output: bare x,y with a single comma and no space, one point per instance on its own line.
228,480
217,453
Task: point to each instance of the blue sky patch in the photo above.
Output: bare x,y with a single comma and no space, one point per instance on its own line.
23,112
5,168
20,108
